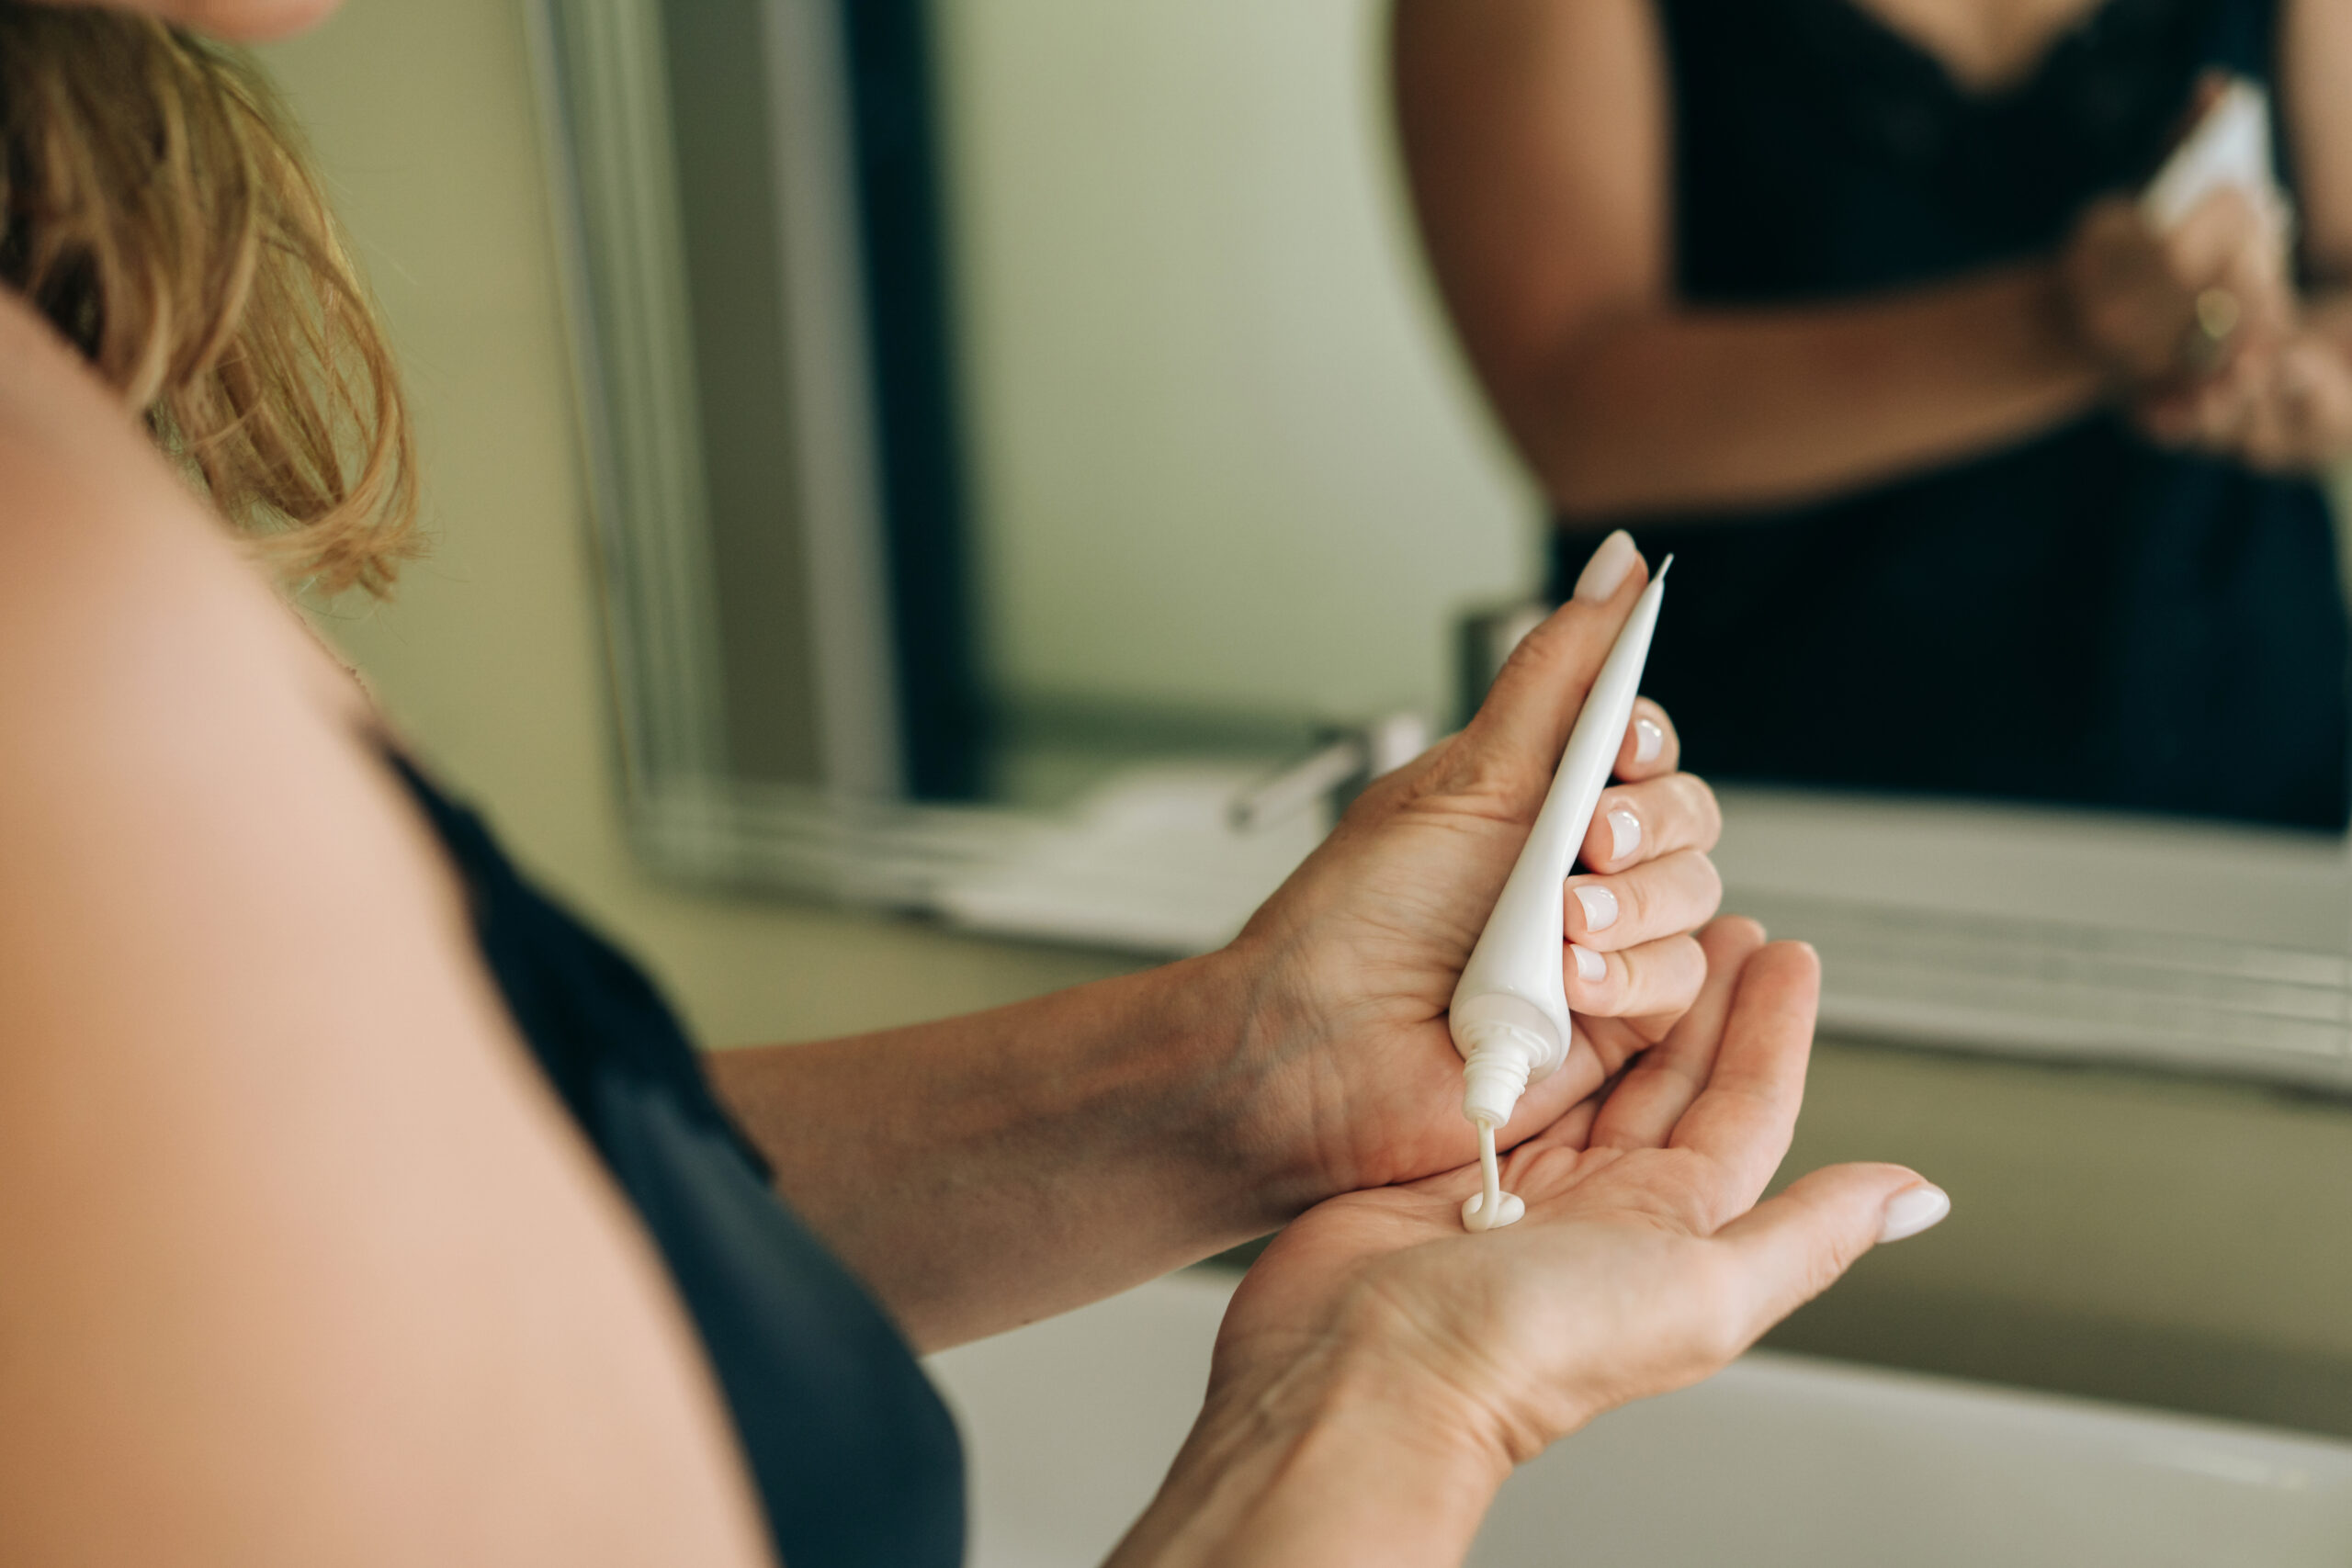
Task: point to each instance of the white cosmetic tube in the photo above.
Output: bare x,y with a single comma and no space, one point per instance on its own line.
1510,1015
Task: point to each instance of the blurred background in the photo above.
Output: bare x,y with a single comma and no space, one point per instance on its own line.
1157,421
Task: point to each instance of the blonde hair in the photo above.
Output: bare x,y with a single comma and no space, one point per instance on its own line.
160,210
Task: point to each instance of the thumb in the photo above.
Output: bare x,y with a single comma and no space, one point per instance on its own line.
1513,744
1794,1247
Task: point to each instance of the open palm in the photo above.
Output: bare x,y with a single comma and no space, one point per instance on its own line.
1644,1262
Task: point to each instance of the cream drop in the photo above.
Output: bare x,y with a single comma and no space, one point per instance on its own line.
1504,1206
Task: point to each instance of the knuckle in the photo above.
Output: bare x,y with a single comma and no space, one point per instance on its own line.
1662,977
1693,800
1636,901
1606,995
1690,961
1827,1264
1469,772
1707,882
1707,809
1616,984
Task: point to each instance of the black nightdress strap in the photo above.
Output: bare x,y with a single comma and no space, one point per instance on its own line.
856,1459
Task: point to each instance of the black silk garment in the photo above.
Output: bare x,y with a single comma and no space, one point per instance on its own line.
2081,617
854,1457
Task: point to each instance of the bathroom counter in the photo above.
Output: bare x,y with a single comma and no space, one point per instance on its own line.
2172,1242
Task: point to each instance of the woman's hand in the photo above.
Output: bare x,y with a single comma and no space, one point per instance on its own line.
1380,1371
2203,329
986,1171
1347,972
2286,409
2168,309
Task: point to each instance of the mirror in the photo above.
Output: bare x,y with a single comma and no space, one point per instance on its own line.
1039,477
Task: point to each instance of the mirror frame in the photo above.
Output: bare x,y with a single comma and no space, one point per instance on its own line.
1958,925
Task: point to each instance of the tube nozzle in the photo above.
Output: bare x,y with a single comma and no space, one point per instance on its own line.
1502,1058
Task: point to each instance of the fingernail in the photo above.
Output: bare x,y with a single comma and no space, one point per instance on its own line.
1624,833
1590,965
1649,739
1600,914
1911,1211
1607,567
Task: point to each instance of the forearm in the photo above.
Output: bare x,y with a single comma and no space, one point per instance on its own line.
1687,409
1336,1462
982,1172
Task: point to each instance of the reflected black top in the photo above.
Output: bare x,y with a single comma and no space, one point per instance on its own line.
2082,617
855,1459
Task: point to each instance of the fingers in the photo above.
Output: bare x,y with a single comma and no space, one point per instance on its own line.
2223,239
1661,1083
2302,414
1512,745
1742,1120
1657,981
2286,410
2122,305
1794,1247
2135,287
2226,242
2255,277
1632,823
1665,897
2315,384
1652,749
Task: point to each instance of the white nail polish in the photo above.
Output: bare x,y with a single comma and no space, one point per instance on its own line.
1590,965
1911,1211
1649,739
1624,833
1599,912
1607,567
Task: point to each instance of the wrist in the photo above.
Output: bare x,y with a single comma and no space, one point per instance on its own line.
1339,1455
1267,1109
1215,1089
2058,337
1384,1401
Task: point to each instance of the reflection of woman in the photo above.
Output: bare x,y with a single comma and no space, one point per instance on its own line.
358,1206
1828,290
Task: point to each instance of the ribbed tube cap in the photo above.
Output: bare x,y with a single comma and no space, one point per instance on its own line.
1495,1073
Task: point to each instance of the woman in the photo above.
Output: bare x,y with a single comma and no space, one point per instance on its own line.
1850,300
358,1206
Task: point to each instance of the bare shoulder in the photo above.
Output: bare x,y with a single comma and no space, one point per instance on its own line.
298,1255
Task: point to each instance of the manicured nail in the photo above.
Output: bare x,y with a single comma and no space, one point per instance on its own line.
1600,914
1607,567
1911,1211
1591,967
1624,833
1649,739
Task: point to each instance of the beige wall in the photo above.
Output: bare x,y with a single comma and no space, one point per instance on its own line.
2135,1236
491,659
1227,457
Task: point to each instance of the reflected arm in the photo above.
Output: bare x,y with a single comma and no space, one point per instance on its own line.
2286,404
1535,136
